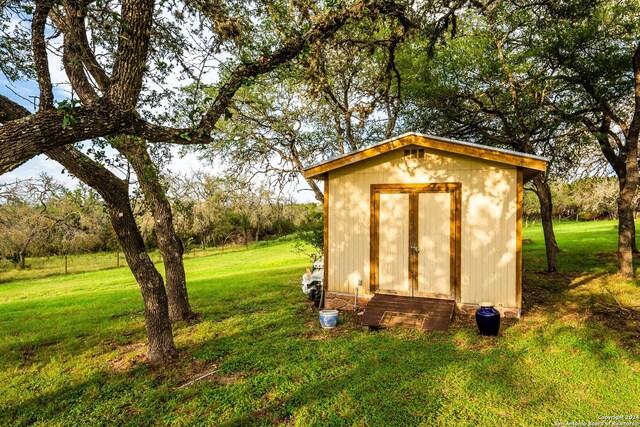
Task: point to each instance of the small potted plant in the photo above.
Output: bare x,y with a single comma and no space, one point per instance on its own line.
328,318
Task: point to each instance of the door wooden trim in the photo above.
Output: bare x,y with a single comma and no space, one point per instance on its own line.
325,245
456,201
519,195
455,189
413,228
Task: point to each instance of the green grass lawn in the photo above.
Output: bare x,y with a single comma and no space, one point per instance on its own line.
72,346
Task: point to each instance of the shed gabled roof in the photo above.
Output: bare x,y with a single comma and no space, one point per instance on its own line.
530,164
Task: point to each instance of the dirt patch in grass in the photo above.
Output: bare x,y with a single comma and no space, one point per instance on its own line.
347,321
199,371
607,256
128,357
612,256
230,379
541,287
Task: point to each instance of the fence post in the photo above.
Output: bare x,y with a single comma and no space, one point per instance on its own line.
117,258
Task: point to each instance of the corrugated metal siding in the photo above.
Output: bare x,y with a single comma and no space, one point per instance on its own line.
488,258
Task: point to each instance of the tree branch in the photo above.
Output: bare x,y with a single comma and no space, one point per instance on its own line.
634,127
10,110
605,106
76,46
72,62
131,54
326,27
23,139
39,48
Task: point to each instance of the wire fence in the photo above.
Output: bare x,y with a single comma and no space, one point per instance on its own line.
72,264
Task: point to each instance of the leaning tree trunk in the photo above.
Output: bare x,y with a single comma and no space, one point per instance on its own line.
116,196
169,244
546,213
156,309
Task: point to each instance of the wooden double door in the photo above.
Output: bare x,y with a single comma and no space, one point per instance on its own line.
415,239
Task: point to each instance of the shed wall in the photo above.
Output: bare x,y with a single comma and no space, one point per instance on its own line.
488,236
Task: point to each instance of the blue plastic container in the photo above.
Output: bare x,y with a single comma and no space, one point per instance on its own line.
488,319
328,318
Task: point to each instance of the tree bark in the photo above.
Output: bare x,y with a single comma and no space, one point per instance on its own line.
625,166
626,232
116,196
634,245
319,195
168,242
156,310
546,213
21,259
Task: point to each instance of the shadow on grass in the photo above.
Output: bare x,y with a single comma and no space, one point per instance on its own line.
585,296
285,369
277,366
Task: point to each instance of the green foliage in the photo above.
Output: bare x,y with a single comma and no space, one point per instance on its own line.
489,84
586,199
311,229
66,109
215,211
16,60
38,217
275,365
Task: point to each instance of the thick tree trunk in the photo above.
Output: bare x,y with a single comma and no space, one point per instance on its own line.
634,244
626,230
21,259
116,196
156,310
169,244
629,182
546,213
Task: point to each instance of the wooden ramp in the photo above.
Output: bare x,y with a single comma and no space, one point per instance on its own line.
429,314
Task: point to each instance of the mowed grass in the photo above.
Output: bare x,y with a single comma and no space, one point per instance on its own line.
72,348
83,263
